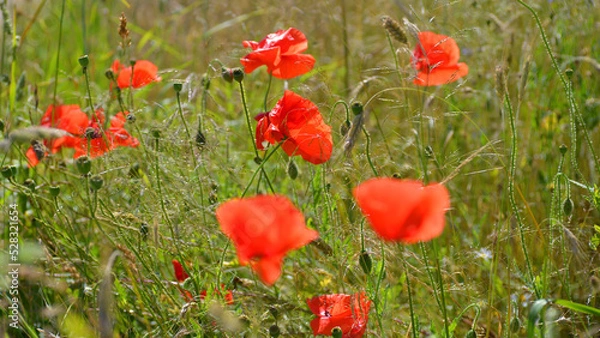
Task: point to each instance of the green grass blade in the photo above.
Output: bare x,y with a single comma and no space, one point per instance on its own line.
578,307
534,316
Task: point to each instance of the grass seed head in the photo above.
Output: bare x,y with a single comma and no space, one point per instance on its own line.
393,28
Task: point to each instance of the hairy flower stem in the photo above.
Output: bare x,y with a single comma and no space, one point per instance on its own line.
251,133
410,300
511,189
187,130
441,284
267,92
89,92
260,169
368,150
59,44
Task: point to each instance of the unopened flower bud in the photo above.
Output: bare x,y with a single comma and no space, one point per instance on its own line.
200,139
96,182
365,262
569,72
84,61
336,332
238,74
130,117
84,165
345,127
257,160
205,81
515,325
227,74
292,169
471,334
274,331
568,206
30,184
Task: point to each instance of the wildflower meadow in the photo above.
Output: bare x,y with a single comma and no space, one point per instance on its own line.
201,168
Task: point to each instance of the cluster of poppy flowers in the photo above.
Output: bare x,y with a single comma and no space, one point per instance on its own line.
86,135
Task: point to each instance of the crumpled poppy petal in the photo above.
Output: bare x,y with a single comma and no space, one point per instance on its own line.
265,57
436,59
144,72
441,76
293,65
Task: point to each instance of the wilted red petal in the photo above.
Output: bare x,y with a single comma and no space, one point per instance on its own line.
436,59
280,52
403,210
180,273
264,228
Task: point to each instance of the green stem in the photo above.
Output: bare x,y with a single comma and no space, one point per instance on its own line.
247,114
368,150
267,92
89,92
59,44
187,130
441,285
260,168
410,300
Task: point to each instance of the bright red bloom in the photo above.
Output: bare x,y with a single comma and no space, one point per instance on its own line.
144,72
100,143
298,123
69,118
264,228
228,296
349,312
403,210
280,52
180,273
436,59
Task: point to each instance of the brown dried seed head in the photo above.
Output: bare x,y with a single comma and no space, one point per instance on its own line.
123,31
394,29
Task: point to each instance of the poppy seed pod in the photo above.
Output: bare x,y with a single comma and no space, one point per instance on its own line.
337,332
29,184
471,334
84,165
274,331
54,190
84,61
563,149
292,169
177,86
365,262
8,171
357,108
96,182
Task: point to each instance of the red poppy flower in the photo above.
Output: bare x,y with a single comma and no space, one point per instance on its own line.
264,228
280,52
403,210
348,312
180,273
144,72
436,60
100,143
69,118
228,296
297,122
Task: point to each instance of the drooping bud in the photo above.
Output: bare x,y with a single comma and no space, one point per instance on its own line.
365,262
471,334
227,74
345,127
292,169
29,184
568,206
84,165
200,139
8,171
563,149
257,160
515,325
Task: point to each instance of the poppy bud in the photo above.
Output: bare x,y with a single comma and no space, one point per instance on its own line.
471,334
515,325
84,165
54,190
8,171
336,332
257,160
292,169
357,108
109,74
84,61
29,184
273,312
238,74
205,81
274,331
177,86
345,127
227,74
156,133
144,230
200,139
132,62
563,149
96,182
365,262
568,206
